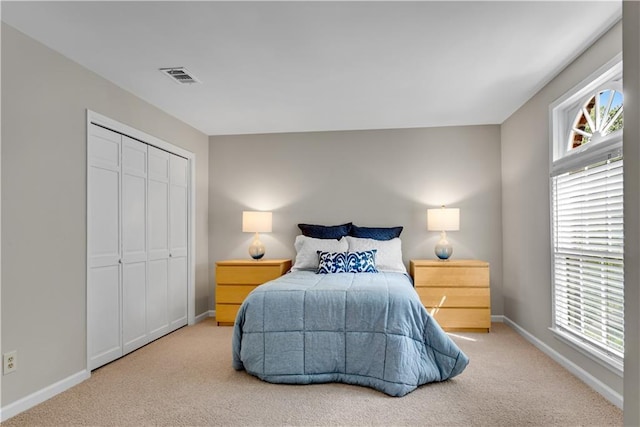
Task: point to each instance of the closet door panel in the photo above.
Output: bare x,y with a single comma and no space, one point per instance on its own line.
157,299
104,217
159,164
104,197
158,204
178,203
158,290
103,247
178,221
104,147
158,220
134,156
103,304
178,242
178,292
134,243
134,279
134,235
134,201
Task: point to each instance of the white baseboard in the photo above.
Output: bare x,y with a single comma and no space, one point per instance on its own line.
206,314
606,391
21,405
497,318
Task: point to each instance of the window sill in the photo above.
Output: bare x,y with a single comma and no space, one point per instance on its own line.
602,359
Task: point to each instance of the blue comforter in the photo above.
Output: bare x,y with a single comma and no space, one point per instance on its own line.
367,329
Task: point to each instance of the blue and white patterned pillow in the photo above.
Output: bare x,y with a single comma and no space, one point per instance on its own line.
332,262
347,262
362,262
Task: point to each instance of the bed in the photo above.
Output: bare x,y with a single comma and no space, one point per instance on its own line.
359,322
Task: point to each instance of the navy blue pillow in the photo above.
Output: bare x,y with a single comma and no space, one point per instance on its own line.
347,262
376,233
325,231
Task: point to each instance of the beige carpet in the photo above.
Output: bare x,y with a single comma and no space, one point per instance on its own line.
186,379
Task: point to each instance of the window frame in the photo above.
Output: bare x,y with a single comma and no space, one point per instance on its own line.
562,159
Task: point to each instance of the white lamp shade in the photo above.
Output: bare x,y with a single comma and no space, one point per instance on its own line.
256,222
443,219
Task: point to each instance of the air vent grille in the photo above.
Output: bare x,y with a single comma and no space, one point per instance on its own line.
179,75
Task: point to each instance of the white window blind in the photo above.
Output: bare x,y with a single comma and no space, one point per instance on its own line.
588,256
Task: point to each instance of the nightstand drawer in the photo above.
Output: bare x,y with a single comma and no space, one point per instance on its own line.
451,276
454,297
247,276
233,294
226,313
462,318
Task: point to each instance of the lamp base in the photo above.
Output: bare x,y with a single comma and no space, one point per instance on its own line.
443,252
443,249
256,250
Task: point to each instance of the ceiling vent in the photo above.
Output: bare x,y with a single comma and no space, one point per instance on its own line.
179,75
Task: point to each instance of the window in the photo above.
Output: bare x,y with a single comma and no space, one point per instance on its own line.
598,117
587,217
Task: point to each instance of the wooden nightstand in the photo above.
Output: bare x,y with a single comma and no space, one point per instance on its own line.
455,292
236,278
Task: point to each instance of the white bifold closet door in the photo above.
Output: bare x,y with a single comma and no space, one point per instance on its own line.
178,184
104,320
134,243
137,262
158,289
167,296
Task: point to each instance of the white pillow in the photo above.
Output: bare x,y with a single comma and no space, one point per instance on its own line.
307,251
388,255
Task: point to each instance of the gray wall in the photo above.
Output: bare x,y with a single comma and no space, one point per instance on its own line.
373,178
631,40
526,206
44,98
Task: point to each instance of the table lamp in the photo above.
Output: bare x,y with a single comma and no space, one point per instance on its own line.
443,219
256,222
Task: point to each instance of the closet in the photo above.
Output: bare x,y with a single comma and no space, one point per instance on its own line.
137,259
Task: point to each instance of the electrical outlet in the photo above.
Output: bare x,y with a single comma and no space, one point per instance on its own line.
10,362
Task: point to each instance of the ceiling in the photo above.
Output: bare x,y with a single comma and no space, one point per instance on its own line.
315,66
